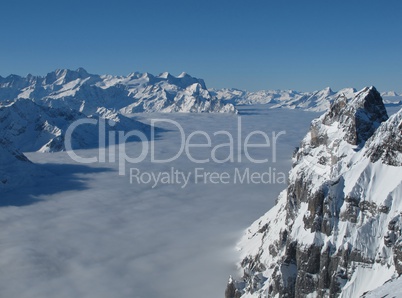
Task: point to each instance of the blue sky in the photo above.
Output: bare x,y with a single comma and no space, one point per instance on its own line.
301,45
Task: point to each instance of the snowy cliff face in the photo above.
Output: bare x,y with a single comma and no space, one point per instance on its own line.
336,229
84,92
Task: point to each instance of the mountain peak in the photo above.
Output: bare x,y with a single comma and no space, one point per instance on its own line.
358,117
327,90
81,71
165,75
183,74
147,75
65,75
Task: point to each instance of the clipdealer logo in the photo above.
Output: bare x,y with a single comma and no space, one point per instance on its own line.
235,149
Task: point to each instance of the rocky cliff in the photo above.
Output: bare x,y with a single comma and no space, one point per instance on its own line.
336,229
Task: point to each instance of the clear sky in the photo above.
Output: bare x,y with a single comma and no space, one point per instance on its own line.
255,44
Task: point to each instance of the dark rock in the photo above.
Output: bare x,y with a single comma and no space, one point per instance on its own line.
313,220
352,210
308,259
230,291
359,118
383,209
397,250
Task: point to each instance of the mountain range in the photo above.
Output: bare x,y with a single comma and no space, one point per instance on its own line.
143,92
35,111
78,90
316,101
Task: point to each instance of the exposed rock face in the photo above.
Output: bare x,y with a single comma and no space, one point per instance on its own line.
360,117
336,230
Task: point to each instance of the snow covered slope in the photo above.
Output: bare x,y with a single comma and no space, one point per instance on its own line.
31,127
84,92
392,288
336,229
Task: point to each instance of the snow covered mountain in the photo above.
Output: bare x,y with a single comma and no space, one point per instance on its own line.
84,92
392,100
31,127
317,101
35,112
336,230
242,97
390,94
